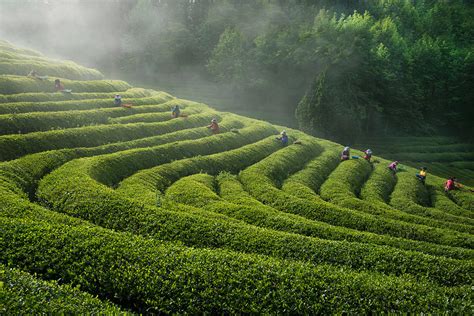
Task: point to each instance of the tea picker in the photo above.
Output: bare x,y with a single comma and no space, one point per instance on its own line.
283,138
345,153
60,87
214,127
422,175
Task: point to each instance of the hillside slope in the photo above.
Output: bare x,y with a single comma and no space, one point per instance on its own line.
443,156
153,214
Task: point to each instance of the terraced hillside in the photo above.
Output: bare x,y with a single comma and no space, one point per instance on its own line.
107,210
444,156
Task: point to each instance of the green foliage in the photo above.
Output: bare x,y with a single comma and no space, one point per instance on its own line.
43,121
412,197
68,70
129,210
442,201
316,171
443,156
148,275
43,97
228,57
8,47
261,178
342,188
15,146
379,185
89,104
197,191
295,185
16,84
22,293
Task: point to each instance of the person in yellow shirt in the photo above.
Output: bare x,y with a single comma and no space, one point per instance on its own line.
422,175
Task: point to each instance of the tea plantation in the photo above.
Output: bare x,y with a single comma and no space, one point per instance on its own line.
109,210
443,156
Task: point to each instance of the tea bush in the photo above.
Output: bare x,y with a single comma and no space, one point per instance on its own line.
161,216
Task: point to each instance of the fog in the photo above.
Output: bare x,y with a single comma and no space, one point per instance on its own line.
124,39
66,29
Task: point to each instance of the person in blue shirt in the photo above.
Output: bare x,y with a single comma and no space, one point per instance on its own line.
118,100
283,138
176,111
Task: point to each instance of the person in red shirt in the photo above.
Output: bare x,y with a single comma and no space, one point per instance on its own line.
368,155
450,184
214,126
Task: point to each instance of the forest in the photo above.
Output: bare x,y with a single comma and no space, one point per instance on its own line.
346,69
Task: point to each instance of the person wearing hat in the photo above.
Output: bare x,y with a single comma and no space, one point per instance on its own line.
393,167
345,153
422,175
214,126
368,155
283,138
118,100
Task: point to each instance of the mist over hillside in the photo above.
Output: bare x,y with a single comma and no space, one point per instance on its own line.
339,69
120,199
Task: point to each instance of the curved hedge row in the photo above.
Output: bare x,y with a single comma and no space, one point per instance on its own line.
441,201
9,55
10,84
346,180
463,198
67,70
315,172
43,121
8,47
260,182
197,191
409,196
143,182
21,176
42,157
14,146
21,293
18,100
233,191
157,117
143,185
438,154
342,186
24,173
160,277
126,163
90,104
380,184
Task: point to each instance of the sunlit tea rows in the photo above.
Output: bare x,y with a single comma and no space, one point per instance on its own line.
111,209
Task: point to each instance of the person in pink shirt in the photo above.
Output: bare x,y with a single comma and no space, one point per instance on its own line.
393,167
